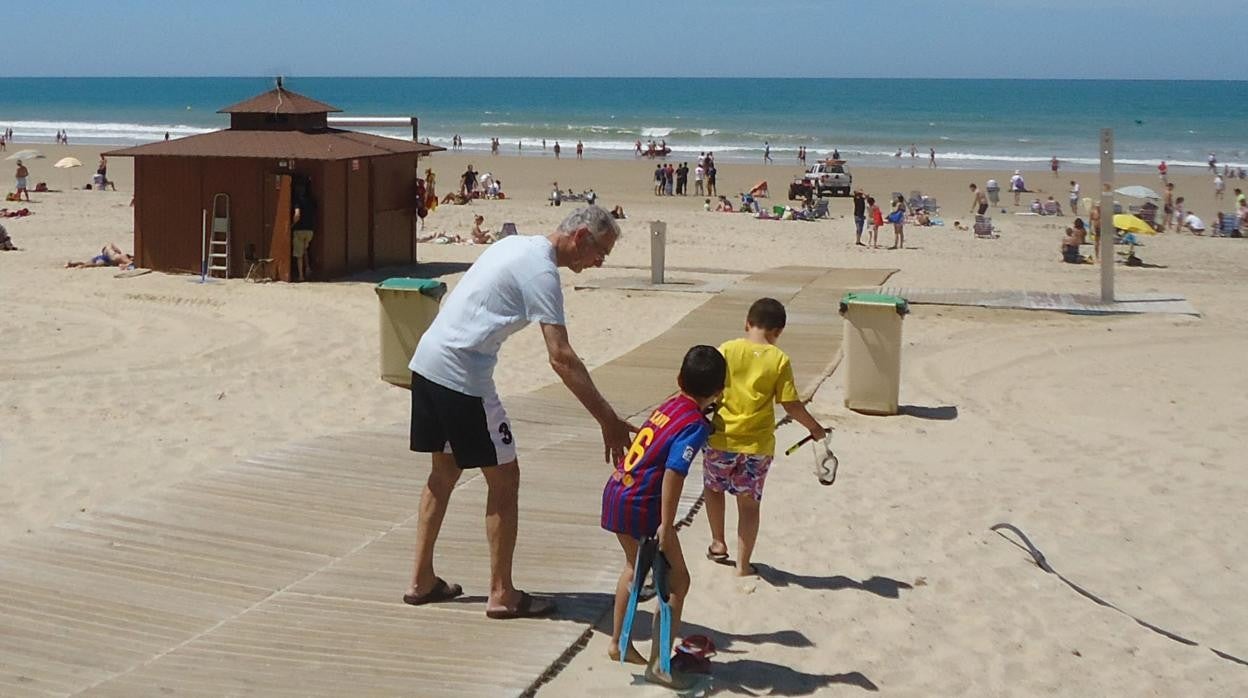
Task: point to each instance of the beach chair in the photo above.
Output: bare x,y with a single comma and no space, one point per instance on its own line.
821,209
258,268
915,202
1146,213
983,228
930,205
1228,225
1050,208
507,229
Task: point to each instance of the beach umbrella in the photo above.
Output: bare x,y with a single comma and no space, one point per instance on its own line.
68,164
1132,224
1136,191
25,155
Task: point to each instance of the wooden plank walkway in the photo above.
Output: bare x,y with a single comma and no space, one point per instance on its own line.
280,575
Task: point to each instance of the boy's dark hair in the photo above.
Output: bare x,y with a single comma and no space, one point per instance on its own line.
703,371
766,314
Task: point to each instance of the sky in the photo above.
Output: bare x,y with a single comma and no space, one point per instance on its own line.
1118,39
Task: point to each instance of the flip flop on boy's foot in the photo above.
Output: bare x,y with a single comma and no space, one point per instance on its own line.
529,607
441,591
713,556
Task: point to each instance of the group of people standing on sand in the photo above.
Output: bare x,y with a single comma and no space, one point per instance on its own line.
458,418
869,216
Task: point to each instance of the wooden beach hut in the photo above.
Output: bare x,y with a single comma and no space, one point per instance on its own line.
363,186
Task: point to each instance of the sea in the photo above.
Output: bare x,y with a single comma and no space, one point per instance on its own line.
980,124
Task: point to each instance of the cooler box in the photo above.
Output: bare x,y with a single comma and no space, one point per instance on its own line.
872,344
408,307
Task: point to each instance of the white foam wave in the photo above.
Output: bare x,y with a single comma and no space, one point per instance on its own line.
101,131
656,132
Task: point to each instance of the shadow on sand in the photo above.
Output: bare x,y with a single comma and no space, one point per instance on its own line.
752,677
944,413
880,586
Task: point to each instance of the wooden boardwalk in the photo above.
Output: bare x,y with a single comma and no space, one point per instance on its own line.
281,574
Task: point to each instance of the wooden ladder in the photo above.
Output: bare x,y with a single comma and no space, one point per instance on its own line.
219,239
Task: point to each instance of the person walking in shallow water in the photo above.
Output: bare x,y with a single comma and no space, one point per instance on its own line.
931,157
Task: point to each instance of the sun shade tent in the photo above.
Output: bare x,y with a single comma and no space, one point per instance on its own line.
363,185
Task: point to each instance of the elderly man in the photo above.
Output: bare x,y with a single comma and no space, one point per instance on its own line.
456,413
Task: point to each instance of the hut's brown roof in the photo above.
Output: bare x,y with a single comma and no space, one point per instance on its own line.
327,144
279,101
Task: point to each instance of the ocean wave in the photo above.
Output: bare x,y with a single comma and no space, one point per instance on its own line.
101,131
618,140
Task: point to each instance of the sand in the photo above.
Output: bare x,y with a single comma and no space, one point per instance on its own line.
1110,441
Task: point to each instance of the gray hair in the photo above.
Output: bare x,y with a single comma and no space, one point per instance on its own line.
593,217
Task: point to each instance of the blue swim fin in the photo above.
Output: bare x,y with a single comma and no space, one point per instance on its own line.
664,619
645,560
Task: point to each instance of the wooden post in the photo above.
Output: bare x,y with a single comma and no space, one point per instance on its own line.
658,243
1106,240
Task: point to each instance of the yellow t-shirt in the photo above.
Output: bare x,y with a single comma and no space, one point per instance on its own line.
759,376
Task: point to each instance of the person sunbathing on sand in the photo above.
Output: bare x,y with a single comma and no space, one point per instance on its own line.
110,256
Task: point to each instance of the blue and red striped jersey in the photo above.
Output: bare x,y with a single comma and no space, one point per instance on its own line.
670,438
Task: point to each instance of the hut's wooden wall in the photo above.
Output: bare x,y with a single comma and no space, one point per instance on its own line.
366,214
357,216
394,214
167,214
242,180
330,256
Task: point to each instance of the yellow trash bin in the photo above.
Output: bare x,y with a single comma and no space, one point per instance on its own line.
408,307
873,351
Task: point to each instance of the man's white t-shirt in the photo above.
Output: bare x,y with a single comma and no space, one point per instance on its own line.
1193,222
1016,183
515,282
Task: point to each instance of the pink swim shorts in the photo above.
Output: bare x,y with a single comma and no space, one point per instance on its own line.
735,473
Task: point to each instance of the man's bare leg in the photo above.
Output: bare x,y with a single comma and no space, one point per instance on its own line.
502,517
433,503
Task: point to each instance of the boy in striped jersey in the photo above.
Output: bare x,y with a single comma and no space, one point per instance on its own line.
640,499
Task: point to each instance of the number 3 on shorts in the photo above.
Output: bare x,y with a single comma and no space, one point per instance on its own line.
505,433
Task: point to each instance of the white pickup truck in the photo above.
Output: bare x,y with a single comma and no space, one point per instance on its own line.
829,177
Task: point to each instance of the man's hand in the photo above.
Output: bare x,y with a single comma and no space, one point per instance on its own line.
616,439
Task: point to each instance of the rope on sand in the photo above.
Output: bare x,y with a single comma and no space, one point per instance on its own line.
1026,545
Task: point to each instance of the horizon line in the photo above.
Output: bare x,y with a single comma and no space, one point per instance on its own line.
613,77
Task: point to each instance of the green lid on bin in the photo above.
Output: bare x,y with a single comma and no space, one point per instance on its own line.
864,298
428,287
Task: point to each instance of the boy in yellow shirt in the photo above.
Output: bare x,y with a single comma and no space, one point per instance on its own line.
740,450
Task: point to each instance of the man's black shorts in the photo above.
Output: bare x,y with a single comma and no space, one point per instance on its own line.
474,429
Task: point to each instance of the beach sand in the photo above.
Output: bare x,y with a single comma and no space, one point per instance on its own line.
1109,441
